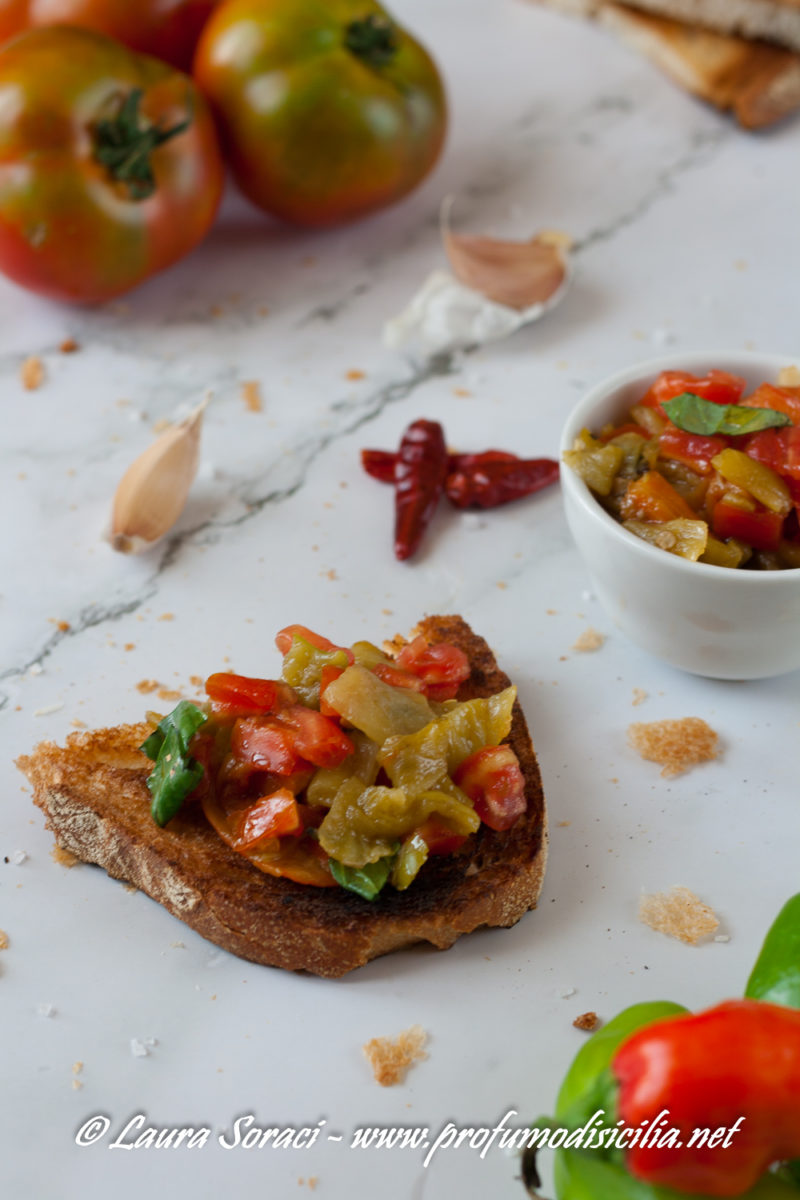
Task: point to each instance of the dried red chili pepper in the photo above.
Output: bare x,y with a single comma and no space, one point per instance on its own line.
490,483
468,462
419,478
379,464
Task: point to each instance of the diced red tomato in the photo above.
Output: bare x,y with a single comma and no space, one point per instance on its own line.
718,386
653,498
283,640
439,837
270,817
783,400
495,784
693,449
761,529
267,744
778,449
239,696
397,677
441,667
315,737
327,675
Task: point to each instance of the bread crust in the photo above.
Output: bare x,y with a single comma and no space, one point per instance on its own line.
757,81
95,799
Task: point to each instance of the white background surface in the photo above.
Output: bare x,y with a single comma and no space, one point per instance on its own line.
687,238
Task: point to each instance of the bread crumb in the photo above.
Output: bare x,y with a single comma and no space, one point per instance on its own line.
461,391
77,1067
165,693
64,857
76,1085
639,697
69,346
675,745
145,686
391,1058
31,373
679,914
588,1021
129,887
789,377
3,940
556,238
354,373
589,640
168,616
563,824
77,723
251,394
129,646
552,612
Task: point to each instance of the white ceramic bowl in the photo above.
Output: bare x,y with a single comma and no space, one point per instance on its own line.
712,621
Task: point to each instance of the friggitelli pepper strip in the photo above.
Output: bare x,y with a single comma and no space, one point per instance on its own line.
734,1068
490,484
419,477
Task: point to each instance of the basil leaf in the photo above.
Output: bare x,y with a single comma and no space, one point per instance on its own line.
176,773
364,881
693,414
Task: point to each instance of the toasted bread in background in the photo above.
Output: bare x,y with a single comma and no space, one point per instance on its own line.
95,799
758,82
775,21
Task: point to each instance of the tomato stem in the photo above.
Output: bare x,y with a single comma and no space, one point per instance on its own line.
124,144
372,39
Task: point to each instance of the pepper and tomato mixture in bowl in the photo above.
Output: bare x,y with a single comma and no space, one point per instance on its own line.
682,494
350,770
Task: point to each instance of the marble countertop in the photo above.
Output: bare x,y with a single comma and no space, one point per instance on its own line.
686,238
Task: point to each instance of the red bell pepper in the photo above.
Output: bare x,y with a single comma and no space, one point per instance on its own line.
733,1073
694,449
761,529
717,386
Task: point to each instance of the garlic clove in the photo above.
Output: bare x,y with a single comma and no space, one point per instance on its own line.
515,274
153,491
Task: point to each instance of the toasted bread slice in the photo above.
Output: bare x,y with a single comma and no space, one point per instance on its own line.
95,799
775,21
758,82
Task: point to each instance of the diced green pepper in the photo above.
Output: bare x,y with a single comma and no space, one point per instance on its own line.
362,763
596,464
410,859
302,668
376,708
425,759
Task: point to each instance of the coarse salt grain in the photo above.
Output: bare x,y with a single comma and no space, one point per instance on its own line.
36,669
48,709
141,1047
564,993
46,1009
18,857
